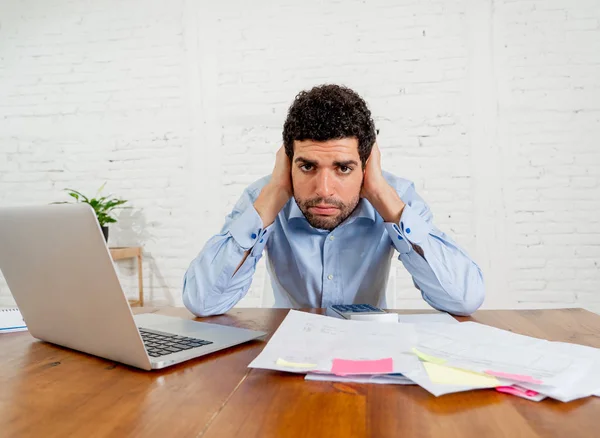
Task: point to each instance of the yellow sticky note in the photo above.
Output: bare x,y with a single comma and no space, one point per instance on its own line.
453,376
285,363
427,357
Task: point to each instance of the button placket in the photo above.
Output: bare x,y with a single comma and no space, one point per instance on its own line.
329,291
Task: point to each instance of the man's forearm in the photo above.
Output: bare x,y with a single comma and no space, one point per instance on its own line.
388,204
206,290
269,203
448,279
246,254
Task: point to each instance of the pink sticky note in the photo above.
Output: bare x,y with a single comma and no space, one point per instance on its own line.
517,377
517,391
343,367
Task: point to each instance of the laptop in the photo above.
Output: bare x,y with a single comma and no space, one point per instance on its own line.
60,272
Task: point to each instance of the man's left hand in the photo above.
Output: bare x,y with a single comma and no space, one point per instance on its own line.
378,192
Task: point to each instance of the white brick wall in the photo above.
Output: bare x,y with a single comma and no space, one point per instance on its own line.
491,107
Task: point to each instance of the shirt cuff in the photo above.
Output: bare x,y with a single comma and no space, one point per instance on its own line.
248,233
413,229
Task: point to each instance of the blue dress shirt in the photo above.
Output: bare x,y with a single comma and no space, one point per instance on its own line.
310,267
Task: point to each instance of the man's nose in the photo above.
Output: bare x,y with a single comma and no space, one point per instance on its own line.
324,185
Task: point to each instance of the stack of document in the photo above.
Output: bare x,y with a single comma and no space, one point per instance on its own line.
559,370
305,342
439,356
386,379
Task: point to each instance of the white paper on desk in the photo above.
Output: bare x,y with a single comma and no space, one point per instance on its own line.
315,339
376,317
576,384
378,379
580,384
477,347
418,318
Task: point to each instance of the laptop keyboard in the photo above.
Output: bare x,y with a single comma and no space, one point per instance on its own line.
160,344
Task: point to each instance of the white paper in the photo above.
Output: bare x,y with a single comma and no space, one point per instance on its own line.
11,320
579,385
308,338
574,385
535,398
568,371
377,317
477,347
418,318
378,379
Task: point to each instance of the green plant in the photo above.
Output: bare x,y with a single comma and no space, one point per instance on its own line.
103,206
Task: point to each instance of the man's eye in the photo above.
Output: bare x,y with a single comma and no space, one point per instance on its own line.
345,169
306,167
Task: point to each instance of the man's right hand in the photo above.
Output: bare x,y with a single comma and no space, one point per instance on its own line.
277,192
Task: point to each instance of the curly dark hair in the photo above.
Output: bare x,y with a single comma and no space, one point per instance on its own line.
329,112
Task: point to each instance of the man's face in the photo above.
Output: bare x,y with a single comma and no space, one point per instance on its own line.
327,179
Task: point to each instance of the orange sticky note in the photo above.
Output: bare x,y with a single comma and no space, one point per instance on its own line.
343,367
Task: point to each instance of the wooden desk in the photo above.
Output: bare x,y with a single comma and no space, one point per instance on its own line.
54,392
130,252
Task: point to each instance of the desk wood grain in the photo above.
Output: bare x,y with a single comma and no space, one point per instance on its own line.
54,392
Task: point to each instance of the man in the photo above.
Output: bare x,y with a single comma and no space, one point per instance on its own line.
330,220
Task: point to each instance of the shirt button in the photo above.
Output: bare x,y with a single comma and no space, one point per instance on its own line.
253,235
330,277
331,237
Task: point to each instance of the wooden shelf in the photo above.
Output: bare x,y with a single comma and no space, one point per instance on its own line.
131,252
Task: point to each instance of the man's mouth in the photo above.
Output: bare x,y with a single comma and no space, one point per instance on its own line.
324,210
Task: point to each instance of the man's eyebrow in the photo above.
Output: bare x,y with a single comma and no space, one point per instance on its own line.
305,161
345,163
